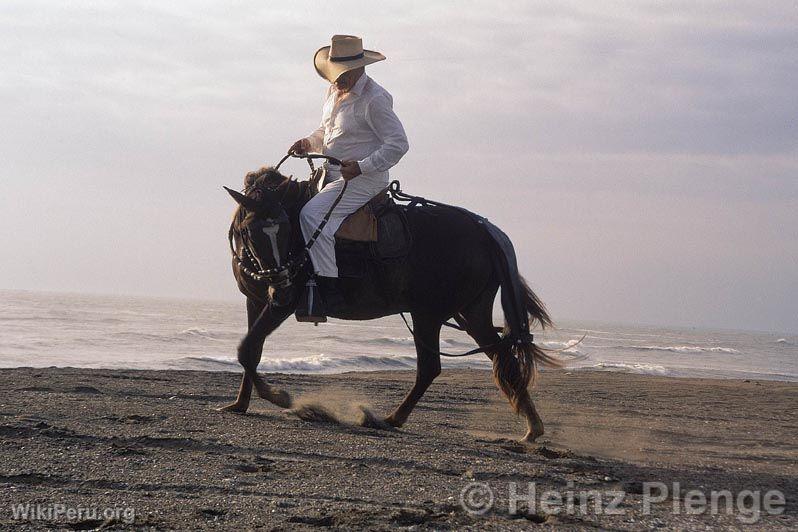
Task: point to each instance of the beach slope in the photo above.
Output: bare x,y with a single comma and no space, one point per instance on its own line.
152,442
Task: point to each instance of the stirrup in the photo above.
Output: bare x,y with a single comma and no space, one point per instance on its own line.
311,305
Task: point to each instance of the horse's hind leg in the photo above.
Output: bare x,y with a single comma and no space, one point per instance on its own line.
262,321
427,333
477,319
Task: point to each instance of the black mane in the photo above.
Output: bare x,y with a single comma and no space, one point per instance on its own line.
266,178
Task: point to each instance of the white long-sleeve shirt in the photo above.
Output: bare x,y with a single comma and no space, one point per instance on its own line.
361,126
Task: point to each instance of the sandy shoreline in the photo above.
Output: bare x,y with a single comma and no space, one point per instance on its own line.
152,441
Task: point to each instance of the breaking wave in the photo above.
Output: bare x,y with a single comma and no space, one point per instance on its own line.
563,347
681,349
445,343
323,363
643,369
313,364
191,334
197,332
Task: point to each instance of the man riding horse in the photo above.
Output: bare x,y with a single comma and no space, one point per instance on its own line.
437,262
358,127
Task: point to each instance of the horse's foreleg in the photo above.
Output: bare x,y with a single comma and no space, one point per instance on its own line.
251,348
262,320
266,391
241,404
428,364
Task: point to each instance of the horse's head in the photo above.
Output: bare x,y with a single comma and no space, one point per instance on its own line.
264,230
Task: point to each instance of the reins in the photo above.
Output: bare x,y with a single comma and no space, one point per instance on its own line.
283,275
485,349
309,157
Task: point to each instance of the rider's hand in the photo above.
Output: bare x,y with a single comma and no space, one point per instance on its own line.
300,147
349,169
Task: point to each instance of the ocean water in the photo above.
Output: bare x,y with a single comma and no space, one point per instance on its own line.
51,329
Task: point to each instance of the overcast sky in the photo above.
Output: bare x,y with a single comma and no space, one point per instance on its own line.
643,156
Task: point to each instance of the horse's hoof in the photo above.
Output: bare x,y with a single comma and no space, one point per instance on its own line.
373,422
281,398
234,408
530,437
390,420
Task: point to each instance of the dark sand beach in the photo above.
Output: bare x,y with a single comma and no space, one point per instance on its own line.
152,441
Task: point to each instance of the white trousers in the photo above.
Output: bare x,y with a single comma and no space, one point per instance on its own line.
358,192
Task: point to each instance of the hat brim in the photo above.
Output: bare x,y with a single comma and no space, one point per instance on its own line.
330,70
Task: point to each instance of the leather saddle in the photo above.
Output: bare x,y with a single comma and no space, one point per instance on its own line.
361,225
381,223
375,233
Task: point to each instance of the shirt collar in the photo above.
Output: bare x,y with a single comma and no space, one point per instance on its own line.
357,88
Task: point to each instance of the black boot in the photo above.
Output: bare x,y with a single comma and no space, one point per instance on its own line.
322,296
311,306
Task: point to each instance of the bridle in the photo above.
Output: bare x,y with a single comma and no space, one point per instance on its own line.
281,276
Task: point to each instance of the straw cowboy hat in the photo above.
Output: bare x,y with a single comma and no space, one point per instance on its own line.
346,53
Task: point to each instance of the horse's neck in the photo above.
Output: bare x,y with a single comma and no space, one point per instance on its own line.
302,194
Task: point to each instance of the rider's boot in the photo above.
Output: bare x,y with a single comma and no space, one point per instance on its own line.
311,306
322,296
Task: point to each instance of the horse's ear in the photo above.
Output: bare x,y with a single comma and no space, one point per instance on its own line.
245,201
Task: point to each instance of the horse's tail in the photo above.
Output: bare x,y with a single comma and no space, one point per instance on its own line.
534,306
515,364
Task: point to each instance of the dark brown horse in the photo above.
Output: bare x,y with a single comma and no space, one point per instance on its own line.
454,269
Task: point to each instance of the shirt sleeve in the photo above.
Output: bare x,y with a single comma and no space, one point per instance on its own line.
316,138
386,125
